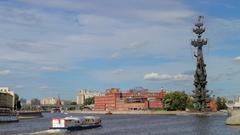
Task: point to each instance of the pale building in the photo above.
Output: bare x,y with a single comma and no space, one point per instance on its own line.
84,94
7,98
49,101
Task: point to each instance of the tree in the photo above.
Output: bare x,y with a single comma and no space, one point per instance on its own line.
17,102
176,100
221,103
89,101
190,105
73,103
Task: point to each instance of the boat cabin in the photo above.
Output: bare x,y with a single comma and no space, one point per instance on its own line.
75,122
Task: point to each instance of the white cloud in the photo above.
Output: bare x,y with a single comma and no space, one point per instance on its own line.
115,55
62,4
19,86
156,77
46,68
237,59
225,24
182,77
118,71
166,16
166,77
44,87
5,72
97,22
136,44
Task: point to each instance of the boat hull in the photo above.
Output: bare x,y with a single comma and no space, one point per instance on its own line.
7,118
72,128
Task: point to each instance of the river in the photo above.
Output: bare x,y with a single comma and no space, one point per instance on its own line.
129,125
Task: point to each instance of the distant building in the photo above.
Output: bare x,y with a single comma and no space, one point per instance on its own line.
134,99
48,101
59,102
33,102
7,98
84,94
213,105
52,101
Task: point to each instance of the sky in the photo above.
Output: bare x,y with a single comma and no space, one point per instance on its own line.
57,47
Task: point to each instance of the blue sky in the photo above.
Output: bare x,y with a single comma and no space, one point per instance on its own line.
57,47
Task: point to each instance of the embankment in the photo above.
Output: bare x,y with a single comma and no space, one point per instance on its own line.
150,112
29,114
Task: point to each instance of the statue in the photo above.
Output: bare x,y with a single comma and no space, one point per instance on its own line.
201,98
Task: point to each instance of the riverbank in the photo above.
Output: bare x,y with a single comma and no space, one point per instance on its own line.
149,112
29,114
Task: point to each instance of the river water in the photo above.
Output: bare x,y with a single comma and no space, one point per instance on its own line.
129,125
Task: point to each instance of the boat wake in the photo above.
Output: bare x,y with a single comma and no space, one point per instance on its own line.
44,132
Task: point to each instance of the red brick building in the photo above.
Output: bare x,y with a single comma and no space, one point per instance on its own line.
213,105
114,99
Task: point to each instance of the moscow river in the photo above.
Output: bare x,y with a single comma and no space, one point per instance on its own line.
129,125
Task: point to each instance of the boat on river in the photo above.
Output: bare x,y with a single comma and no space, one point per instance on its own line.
7,99
6,115
233,113
56,110
76,123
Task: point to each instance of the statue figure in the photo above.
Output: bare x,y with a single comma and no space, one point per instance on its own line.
201,98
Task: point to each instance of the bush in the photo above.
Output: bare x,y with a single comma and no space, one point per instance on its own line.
175,101
221,103
89,101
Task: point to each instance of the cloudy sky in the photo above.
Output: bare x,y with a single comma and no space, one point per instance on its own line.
56,47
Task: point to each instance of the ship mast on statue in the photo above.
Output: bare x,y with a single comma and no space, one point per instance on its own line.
201,98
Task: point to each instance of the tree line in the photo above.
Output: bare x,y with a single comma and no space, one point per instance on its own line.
179,100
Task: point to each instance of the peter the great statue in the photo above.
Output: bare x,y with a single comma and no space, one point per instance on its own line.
201,98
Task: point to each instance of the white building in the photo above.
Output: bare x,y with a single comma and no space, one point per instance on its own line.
7,98
84,94
49,101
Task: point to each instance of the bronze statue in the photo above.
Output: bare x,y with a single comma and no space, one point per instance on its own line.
201,98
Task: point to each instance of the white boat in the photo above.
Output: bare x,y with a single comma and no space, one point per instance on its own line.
233,112
6,115
76,123
234,108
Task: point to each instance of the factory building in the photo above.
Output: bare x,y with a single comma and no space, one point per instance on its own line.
142,99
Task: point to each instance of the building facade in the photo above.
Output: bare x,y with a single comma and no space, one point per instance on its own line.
114,99
48,101
7,98
52,101
84,94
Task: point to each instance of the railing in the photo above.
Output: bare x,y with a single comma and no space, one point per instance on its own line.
8,114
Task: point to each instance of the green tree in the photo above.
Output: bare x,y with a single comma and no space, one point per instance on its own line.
176,100
17,102
73,103
221,103
89,101
190,105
